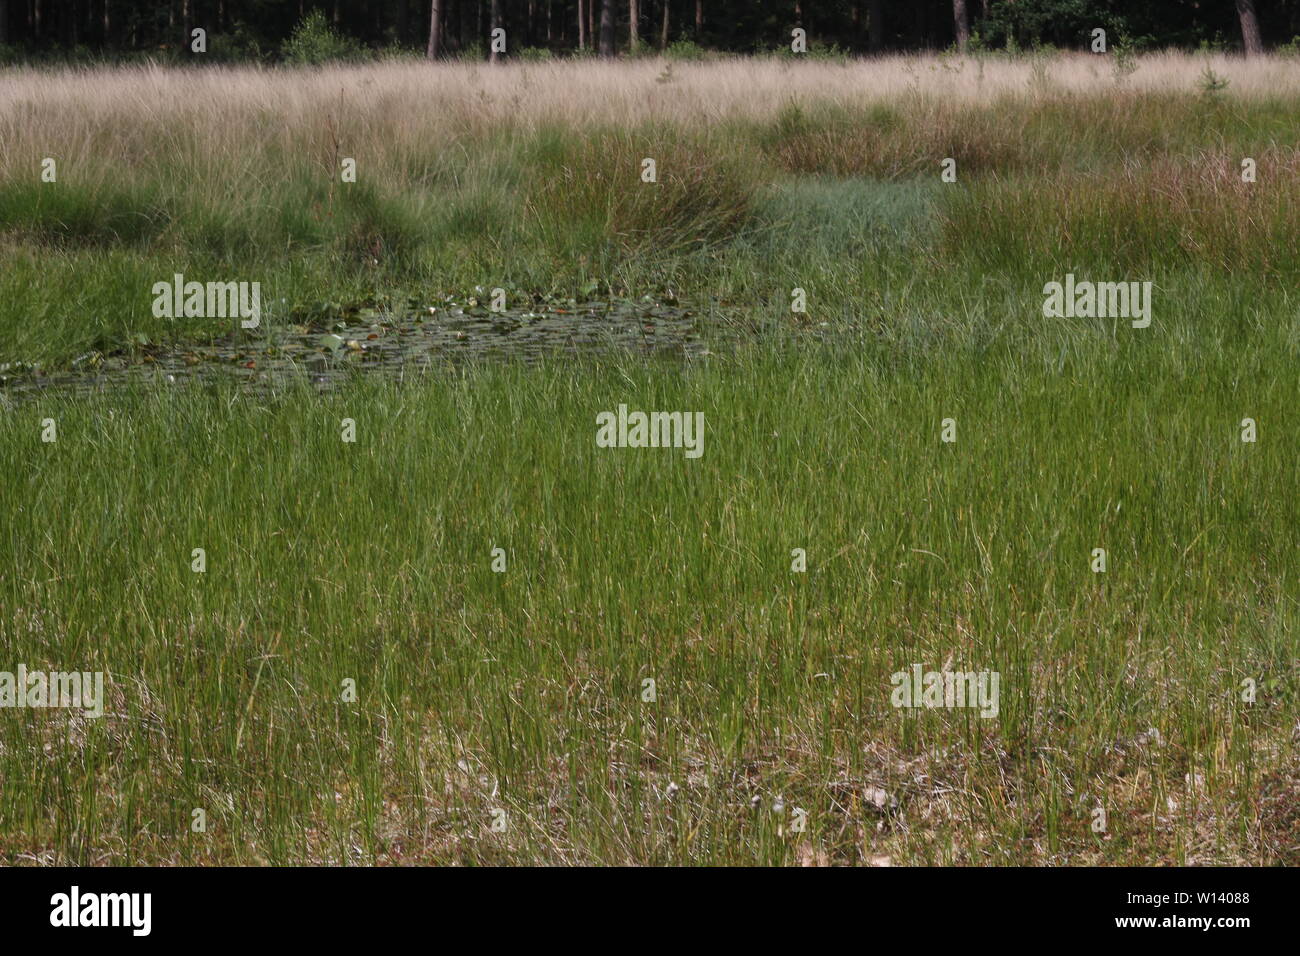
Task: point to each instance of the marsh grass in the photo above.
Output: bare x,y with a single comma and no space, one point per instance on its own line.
527,177
522,690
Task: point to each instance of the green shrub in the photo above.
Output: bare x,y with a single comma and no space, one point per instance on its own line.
685,50
314,42
1211,83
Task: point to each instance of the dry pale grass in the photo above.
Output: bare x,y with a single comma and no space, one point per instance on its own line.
138,113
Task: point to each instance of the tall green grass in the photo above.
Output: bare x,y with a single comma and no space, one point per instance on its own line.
523,691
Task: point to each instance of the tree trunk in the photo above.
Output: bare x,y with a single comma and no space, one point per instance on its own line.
699,19
633,32
435,29
663,32
607,28
876,25
962,22
493,56
1249,28
582,26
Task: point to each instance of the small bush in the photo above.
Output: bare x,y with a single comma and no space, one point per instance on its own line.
314,42
685,50
1211,83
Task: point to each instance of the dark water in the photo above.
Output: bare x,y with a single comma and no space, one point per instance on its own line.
325,353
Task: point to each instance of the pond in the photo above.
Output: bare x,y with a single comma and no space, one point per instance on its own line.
326,351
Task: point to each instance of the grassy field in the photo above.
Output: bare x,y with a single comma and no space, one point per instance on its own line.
523,690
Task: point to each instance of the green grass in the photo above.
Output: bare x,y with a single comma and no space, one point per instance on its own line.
820,194
372,561
522,690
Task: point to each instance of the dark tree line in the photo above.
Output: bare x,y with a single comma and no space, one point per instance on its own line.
257,29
